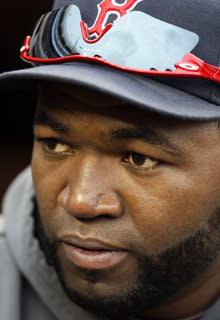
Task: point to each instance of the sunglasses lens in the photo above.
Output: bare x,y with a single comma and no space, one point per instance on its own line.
140,41
56,33
40,45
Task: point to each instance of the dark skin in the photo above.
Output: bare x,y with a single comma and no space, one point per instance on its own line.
145,184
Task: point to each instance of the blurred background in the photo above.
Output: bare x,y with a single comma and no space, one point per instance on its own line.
17,20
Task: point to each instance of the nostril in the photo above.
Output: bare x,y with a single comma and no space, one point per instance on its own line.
63,197
109,203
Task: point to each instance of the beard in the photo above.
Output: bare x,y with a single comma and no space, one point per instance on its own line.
158,278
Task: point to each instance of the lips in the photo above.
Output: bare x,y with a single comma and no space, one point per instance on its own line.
92,253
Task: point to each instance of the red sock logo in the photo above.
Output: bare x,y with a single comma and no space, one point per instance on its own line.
107,7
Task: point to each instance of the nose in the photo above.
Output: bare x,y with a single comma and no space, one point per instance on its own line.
91,191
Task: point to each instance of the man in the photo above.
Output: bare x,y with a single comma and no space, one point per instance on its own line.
118,215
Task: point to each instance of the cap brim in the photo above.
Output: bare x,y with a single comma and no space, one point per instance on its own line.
138,90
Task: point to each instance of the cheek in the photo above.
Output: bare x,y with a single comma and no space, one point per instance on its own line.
49,179
172,205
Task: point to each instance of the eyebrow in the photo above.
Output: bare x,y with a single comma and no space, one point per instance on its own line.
147,135
42,118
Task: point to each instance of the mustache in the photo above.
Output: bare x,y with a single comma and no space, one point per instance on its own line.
159,279
188,247
201,238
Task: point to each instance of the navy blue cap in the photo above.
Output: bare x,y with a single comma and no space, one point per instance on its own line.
183,98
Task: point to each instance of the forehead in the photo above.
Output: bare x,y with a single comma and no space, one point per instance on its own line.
79,108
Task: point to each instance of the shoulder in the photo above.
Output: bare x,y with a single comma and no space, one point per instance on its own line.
4,250
10,278
19,181
21,185
6,259
2,226
3,244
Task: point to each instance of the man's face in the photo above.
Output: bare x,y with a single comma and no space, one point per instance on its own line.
128,200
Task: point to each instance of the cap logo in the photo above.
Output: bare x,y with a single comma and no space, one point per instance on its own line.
188,66
105,9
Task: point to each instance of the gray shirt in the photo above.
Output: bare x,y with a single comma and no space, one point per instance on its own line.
29,288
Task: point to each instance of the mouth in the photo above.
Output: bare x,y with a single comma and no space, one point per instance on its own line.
93,254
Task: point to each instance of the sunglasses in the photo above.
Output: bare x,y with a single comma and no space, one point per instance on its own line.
136,42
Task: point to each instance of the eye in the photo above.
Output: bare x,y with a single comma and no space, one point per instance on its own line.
139,161
56,146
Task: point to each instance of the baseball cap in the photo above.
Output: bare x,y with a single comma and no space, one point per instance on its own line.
121,39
